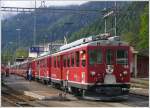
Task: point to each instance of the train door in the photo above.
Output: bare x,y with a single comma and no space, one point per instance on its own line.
33,68
38,69
49,64
110,57
61,67
83,63
64,65
45,68
110,78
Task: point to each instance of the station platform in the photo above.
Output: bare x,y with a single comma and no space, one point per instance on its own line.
140,91
34,89
42,92
140,86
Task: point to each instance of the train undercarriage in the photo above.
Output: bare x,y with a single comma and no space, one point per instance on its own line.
95,92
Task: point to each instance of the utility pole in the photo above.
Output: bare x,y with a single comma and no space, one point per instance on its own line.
18,37
115,20
34,35
106,15
105,19
105,25
43,4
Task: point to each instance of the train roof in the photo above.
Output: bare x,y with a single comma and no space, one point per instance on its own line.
102,39
42,56
92,41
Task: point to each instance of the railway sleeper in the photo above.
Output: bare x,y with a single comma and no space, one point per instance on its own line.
23,104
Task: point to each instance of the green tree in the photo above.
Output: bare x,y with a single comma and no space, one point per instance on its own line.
144,30
6,57
21,52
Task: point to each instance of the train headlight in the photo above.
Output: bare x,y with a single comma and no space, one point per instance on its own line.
109,69
93,73
125,72
125,89
120,75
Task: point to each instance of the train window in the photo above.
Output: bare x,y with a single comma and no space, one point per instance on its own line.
83,58
72,60
43,62
68,61
92,56
64,61
46,63
109,57
77,59
54,61
58,61
40,63
51,62
122,57
83,63
99,56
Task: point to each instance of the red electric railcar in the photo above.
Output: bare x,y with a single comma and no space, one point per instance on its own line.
90,65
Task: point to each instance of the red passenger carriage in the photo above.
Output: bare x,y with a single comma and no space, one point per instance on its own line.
41,68
96,67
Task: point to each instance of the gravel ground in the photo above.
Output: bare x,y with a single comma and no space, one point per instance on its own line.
20,84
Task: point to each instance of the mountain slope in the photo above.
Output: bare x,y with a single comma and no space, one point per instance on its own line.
51,25
132,26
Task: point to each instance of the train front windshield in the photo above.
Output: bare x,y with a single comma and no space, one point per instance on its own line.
119,56
122,57
95,56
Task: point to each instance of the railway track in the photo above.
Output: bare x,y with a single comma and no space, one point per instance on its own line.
139,96
135,100
14,98
19,100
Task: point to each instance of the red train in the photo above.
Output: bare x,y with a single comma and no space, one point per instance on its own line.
96,67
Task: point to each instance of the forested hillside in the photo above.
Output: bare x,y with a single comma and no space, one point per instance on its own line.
132,26
51,25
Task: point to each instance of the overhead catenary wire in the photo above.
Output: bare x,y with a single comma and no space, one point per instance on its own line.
24,9
34,33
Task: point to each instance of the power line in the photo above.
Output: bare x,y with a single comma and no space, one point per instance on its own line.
23,9
34,33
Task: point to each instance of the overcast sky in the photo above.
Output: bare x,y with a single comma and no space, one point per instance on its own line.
31,3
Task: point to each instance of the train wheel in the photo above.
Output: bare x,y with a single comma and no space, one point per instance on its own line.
33,78
45,82
57,86
75,91
49,82
69,89
83,92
